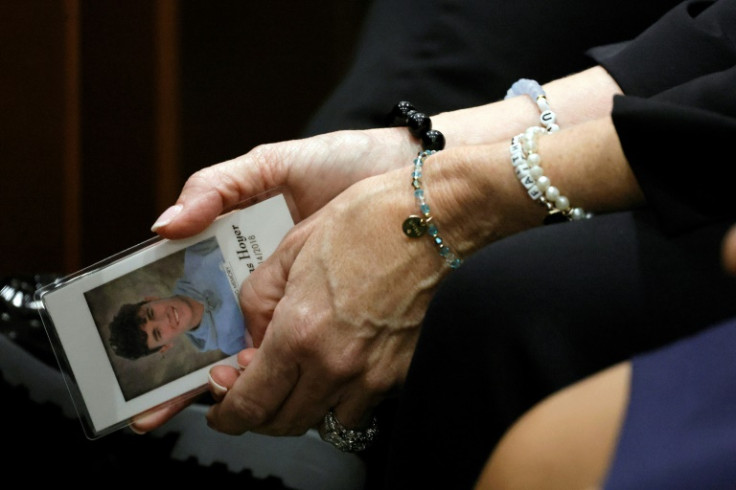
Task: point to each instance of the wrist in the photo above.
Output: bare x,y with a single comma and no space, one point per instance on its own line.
487,124
476,198
582,97
575,99
588,164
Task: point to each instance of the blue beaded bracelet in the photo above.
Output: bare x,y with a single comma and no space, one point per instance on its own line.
418,225
525,86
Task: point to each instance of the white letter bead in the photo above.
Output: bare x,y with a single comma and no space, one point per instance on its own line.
527,164
548,117
517,159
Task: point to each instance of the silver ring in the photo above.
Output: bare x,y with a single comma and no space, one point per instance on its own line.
344,439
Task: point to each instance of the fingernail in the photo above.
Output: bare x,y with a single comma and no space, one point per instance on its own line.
134,425
216,387
166,217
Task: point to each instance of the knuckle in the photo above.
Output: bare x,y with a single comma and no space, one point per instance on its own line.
251,413
251,296
345,367
267,161
306,331
310,343
378,383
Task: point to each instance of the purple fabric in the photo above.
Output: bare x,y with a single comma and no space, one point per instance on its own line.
680,427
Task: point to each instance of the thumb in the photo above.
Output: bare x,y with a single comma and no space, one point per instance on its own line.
215,189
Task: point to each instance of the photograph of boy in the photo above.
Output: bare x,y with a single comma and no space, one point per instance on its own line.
168,318
202,307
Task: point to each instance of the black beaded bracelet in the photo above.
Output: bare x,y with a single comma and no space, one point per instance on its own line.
419,124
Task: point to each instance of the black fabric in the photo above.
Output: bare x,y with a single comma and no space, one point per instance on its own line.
691,40
534,313
678,77
677,161
449,54
537,311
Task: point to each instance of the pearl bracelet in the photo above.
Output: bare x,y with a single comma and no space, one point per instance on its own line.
525,86
415,226
527,164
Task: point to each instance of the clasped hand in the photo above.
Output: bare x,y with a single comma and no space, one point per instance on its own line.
335,311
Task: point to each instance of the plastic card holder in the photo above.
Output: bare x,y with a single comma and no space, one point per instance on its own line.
141,329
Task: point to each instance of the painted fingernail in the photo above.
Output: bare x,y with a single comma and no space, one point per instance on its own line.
218,389
166,217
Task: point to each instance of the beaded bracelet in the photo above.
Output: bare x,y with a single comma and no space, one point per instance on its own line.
525,86
420,125
416,226
527,164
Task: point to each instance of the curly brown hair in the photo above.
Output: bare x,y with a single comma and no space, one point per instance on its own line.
127,339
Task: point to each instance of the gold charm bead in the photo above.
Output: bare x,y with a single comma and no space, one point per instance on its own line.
415,226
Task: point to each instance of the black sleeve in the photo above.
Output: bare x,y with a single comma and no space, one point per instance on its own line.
445,55
677,144
695,38
679,77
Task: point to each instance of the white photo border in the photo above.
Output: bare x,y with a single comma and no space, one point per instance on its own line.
246,237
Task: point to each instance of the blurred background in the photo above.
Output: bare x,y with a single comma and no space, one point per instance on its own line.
107,107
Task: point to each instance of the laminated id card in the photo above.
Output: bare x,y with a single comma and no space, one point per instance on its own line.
141,329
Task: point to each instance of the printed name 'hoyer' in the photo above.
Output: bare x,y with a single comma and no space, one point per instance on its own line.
243,252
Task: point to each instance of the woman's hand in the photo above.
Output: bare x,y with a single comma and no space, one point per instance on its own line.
334,312
313,170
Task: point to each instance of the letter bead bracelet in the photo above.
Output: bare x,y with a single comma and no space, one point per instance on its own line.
525,86
527,164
